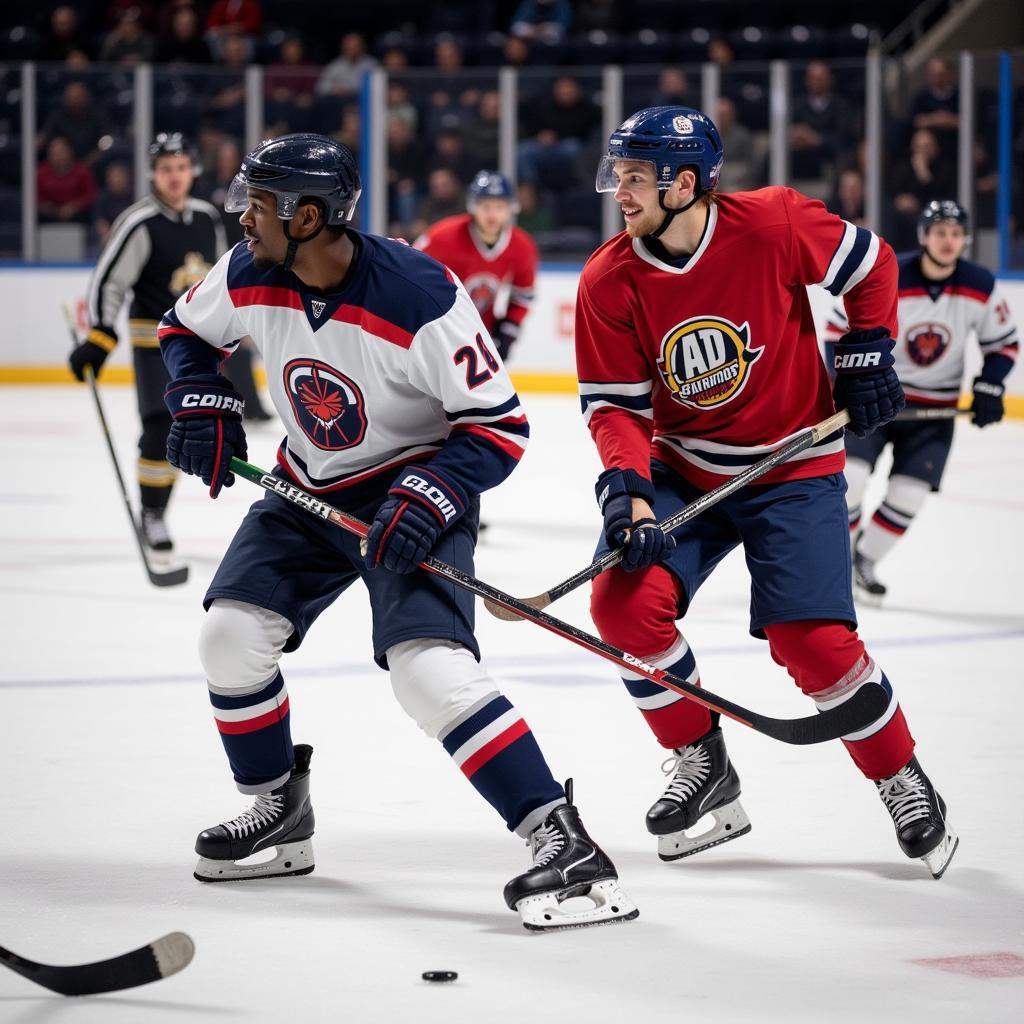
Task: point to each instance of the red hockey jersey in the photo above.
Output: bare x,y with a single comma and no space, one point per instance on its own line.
711,365
499,279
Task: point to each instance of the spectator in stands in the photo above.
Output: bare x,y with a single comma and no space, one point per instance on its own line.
227,106
739,172
720,52
446,197
915,182
115,197
673,90
212,185
405,166
450,91
820,128
343,76
79,121
65,187
65,35
847,200
128,42
183,44
349,133
937,106
394,58
542,19
233,18
400,103
558,128
533,217
600,15
516,52
484,129
450,154
291,79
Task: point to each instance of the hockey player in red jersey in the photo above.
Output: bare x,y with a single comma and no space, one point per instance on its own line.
494,259
944,299
697,356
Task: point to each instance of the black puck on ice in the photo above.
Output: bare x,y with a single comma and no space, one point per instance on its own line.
440,975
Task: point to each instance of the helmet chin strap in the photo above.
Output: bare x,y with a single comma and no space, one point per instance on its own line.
294,243
670,214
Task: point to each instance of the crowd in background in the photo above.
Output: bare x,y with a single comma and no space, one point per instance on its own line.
443,106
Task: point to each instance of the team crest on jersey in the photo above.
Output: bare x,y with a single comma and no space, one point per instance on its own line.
318,307
927,342
483,289
191,272
705,361
328,406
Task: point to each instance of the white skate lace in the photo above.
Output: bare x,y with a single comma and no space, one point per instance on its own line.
690,768
906,797
265,811
547,842
155,529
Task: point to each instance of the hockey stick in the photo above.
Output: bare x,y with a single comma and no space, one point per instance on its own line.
863,708
160,959
939,412
165,578
800,443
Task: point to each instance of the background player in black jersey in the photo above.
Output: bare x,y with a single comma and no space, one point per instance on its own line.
158,248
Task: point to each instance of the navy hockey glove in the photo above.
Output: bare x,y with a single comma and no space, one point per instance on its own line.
866,385
419,507
93,352
988,402
504,335
207,429
646,545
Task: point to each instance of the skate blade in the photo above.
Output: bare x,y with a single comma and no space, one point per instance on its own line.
729,822
544,912
289,859
866,598
938,860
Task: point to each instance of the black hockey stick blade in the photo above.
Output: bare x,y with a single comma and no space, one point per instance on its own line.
159,578
804,440
160,959
865,706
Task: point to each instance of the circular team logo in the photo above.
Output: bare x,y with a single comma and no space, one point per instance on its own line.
926,343
483,289
328,406
705,361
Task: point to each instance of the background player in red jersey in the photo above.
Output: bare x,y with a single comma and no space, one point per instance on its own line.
944,299
495,260
697,355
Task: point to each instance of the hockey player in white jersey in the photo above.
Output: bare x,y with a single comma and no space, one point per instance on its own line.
398,410
944,302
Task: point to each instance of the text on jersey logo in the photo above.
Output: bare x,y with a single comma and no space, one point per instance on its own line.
705,361
328,405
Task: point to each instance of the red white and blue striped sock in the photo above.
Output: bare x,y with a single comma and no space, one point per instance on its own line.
495,749
903,500
255,730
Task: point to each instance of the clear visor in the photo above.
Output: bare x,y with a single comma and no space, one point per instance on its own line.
237,200
612,169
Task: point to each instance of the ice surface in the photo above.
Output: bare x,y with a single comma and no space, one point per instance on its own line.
111,765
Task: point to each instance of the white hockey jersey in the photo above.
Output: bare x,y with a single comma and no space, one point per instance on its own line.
397,367
936,321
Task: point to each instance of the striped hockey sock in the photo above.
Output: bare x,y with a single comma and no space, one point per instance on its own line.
255,730
903,501
495,749
674,720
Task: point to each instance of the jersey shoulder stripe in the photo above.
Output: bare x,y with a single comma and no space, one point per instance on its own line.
852,260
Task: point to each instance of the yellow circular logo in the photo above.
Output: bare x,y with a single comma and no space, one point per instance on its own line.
705,361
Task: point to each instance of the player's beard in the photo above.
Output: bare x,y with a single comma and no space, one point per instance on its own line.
647,223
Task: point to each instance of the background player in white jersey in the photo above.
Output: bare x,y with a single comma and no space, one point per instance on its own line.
944,302
395,408
158,249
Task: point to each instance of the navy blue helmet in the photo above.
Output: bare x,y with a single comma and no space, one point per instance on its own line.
300,167
940,211
669,138
490,185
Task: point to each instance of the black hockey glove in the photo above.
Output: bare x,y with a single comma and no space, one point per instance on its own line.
646,545
988,402
866,385
504,335
207,429
419,507
93,352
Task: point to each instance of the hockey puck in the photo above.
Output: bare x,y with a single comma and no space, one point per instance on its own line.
440,975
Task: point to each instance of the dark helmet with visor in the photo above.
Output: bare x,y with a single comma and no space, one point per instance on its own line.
491,185
942,211
299,168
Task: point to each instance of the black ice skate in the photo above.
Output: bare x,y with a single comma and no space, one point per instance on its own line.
567,863
703,782
154,531
282,819
870,587
919,814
